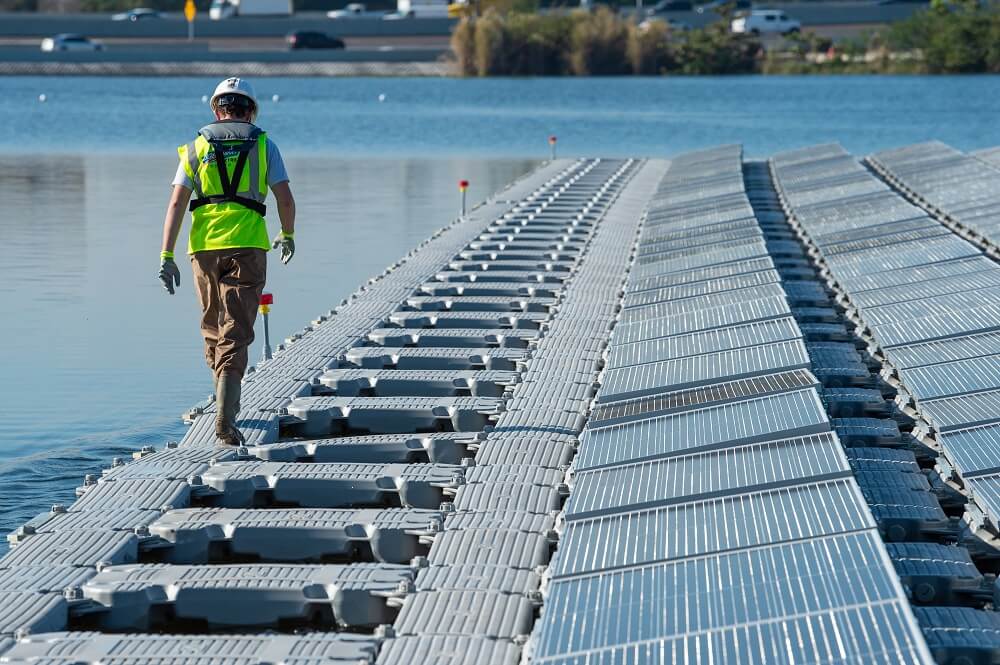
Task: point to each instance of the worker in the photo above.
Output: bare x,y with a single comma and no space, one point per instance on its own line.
228,167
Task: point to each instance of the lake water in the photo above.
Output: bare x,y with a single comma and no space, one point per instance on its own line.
99,361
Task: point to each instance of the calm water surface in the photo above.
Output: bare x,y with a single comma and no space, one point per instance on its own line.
99,361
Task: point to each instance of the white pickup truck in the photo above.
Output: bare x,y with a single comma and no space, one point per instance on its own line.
765,22
221,9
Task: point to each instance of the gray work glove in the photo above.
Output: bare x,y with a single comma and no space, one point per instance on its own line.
169,275
286,241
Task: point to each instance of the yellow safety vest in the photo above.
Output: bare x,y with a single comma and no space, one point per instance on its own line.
222,219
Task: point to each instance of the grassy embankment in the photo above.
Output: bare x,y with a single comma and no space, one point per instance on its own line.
949,37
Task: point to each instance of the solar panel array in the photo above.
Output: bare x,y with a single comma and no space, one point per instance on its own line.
922,294
709,481
958,188
955,379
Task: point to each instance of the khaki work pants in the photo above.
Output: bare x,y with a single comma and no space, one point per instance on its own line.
229,283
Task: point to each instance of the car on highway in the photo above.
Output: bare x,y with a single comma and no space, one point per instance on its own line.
712,6
765,22
354,10
670,6
301,39
672,25
70,42
137,14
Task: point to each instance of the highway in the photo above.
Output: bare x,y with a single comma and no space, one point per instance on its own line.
812,15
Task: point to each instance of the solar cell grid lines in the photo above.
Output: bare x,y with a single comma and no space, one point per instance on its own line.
708,341
916,274
728,238
929,251
711,525
701,274
982,318
945,350
695,303
715,472
640,298
706,319
877,633
660,264
793,413
915,292
875,224
896,239
641,408
707,368
670,599
952,302
948,379
669,229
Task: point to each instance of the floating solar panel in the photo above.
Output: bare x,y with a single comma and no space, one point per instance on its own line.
955,303
954,378
700,274
962,411
659,310
708,341
928,289
944,350
710,525
709,593
882,632
693,371
941,326
778,416
974,450
686,400
710,473
706,319
916,274
698,289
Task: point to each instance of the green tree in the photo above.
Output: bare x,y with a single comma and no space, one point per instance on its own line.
598,44
649,48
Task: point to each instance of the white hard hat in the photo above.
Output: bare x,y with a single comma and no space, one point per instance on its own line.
235,86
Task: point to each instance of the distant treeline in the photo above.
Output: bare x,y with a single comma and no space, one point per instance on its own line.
597,43
961,36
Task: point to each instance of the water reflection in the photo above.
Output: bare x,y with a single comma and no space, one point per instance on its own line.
43,228
99,360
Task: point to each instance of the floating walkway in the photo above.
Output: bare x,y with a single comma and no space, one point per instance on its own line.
709,410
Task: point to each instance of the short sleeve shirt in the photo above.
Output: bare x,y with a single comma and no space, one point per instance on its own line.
275,169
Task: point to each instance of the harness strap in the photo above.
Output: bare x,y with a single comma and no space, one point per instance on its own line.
256,206
229,184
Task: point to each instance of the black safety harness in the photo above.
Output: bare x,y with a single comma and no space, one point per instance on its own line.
229,184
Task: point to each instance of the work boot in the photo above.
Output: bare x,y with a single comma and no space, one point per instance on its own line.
227,405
